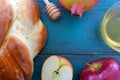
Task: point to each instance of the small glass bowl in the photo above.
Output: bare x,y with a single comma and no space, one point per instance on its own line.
106,31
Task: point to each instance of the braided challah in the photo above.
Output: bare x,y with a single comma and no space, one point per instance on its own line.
22,36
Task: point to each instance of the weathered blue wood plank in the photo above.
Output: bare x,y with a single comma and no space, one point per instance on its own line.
78,62
77,39
74,35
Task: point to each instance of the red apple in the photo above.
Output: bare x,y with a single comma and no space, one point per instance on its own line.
102,69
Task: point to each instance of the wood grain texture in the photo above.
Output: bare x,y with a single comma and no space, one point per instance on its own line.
74,35
78,62
77,39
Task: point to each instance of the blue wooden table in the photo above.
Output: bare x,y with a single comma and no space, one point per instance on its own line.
77,39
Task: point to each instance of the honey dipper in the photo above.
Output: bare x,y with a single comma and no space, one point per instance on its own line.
52,10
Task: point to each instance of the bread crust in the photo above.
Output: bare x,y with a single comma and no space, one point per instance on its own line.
41,40
22,36
6,20
15,61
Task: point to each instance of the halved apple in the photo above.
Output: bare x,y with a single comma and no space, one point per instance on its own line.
57,68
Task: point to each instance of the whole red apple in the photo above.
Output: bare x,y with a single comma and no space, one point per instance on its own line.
102,69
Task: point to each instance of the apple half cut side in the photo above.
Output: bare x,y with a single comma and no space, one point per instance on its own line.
57,68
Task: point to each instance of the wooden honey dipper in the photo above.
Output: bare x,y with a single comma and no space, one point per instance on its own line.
52,10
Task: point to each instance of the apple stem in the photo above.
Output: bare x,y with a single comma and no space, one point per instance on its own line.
90,65
96,67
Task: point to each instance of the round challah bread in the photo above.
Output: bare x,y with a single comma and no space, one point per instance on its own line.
22,36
